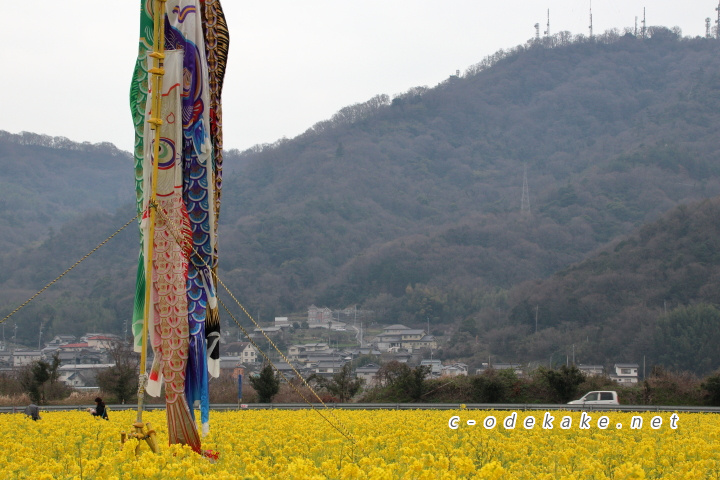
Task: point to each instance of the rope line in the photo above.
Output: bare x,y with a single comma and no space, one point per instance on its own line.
183,242
68,270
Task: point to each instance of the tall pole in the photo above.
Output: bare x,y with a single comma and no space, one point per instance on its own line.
157,72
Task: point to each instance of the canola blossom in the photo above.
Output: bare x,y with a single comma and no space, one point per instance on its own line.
388,444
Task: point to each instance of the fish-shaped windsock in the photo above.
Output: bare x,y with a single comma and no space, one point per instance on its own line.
183,291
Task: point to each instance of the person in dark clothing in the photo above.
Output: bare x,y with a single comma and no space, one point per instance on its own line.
33,411
100,409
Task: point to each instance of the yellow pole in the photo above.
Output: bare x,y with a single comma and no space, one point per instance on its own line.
157,72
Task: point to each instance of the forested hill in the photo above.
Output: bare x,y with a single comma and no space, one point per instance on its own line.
411,206
47,181
425,189
653,294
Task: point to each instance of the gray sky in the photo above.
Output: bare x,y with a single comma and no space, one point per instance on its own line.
66,66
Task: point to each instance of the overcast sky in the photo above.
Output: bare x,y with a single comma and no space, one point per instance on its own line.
66,66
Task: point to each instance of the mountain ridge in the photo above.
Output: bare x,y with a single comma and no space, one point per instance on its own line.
410,206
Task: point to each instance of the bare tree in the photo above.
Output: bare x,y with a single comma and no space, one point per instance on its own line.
121,380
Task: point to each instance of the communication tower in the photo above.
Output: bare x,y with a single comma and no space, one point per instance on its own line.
547,32
644,24
525,199
591,30
707,27
717,32
537,31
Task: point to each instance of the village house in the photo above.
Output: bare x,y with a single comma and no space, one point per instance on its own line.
625,373
269,331
245,351
74,347
75,380
81,375
436,367
230,363
454,370
319,317
101,342
396,337
329,368
20,358
369,374
312,360
301,351
282,322
287,370
82,357
60,340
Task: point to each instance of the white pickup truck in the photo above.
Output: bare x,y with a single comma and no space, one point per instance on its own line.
597,398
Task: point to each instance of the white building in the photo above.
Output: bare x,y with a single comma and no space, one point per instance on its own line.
454,370
625,373
20,358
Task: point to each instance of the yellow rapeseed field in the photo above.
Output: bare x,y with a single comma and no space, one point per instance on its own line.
395,444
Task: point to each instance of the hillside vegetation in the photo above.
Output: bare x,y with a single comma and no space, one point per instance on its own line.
409,207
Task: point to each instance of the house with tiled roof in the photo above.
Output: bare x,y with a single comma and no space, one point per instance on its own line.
396,337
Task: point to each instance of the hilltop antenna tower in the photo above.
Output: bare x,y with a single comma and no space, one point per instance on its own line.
717,31
525,199
591,30
644,24
635,25
537,31
547,32
707,27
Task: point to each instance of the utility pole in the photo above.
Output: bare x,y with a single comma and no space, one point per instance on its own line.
13,348
643,367
525,198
